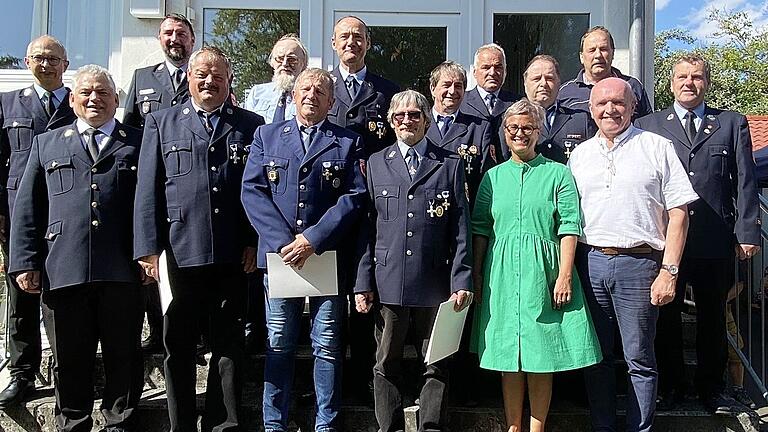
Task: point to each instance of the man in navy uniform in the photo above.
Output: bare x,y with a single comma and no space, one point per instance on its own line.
564,128
71,234
487,100
596,56
466,135
24,114
417,258
272,100
188,205
303,191
716,150
361,97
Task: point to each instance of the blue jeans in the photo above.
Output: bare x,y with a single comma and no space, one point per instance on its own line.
283,320
618,292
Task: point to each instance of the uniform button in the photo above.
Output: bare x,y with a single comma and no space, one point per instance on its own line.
301,205
409,233
408,252
374,259
93,170
168,219
214,169
95,223
350,115
173,147
410,197
212,149
299,222
690,173
216,211
691,212
410,215
174,102
302,187
304,169
215,189
692,154
94,186
94,204
725,152
384,192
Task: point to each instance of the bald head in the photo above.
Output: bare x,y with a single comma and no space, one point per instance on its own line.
47,60
612,104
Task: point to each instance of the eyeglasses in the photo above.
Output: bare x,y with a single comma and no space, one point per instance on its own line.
53,61
413,115
291,60
513,128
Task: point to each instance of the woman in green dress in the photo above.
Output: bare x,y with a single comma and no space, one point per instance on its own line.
531,318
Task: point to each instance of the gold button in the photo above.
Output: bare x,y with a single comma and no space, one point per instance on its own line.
95,223
94,204
94,186
93,170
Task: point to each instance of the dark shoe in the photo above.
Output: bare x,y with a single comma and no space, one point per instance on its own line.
668,401
152,345
741,396
18,389
721,404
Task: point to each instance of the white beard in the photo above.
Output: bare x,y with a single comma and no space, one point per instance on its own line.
283,82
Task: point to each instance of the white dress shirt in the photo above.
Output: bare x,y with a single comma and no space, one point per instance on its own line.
627,190
102,138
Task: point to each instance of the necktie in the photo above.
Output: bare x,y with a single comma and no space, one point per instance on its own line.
178,77
413,162
93,148
206,116
490,101
280,110
352,87
446,124
690,126
310,132
48,105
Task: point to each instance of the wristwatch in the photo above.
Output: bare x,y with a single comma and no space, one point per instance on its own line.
671,268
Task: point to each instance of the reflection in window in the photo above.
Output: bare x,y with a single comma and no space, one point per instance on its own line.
85,35
406,55
525,36
247,37
15,34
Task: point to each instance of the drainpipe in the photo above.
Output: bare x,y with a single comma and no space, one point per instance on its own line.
637,40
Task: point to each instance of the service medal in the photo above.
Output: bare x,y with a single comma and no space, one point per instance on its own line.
336,182
145,106
371,126
272,175
473,149
463,151
439,211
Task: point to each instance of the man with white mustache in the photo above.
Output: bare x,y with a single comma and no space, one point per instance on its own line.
596,56
273,100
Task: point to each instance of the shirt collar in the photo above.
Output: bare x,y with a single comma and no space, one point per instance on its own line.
484,93
580,78
435,114
619,139
60,92
682,111
172,68
107,128
198,108
420,147
300,125
359,75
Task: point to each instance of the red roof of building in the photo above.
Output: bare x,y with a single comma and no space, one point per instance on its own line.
758,127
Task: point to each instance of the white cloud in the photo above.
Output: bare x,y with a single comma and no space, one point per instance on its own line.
703,30
661,4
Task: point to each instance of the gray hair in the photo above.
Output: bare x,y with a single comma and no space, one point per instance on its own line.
213,54
491,47
93,71
321,75
291,37
525,107
450,68
410,97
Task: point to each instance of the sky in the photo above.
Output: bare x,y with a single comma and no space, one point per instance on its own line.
692,14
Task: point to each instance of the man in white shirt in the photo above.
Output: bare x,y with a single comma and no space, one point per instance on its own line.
634,195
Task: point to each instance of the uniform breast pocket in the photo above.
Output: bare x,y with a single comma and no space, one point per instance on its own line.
178,157
126,174
60,175
719,157
276,172
149,103
20,133
439,203
387,202
333,174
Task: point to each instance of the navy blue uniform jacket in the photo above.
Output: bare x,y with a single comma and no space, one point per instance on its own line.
320,194
73,217
474,105
416,257
152,90
465,132
188,196
367,114
722,172
569,129
22,118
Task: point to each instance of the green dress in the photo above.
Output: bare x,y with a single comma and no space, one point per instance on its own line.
523,209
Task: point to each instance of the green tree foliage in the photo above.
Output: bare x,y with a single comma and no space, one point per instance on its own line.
8,61
738,57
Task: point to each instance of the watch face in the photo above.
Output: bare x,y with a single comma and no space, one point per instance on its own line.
671,268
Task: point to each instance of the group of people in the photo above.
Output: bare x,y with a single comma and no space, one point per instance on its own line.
467,199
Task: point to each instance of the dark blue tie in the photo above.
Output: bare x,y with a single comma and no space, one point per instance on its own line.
446,121
413,162
280,110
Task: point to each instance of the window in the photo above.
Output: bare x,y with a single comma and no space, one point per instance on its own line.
525,36
15,34
84,27
247,37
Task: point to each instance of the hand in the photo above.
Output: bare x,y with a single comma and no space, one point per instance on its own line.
562,293
144,277
663,289
747,251
150,265
477,284
296,252
462,299
364,301
29,281
249,259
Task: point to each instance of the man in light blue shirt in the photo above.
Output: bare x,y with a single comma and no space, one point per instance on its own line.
272,100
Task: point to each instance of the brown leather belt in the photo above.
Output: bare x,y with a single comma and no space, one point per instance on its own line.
638,250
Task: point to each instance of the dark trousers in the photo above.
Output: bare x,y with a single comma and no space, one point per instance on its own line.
362,348
24,340
393,324
79,318
153,309
217,292
710,280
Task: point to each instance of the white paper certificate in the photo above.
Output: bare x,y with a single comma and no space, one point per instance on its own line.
317,278
164,284
446,332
